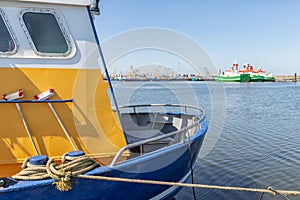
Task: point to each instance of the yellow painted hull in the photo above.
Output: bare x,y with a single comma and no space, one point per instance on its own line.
90,121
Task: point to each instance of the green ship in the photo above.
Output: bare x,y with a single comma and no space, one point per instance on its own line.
248,74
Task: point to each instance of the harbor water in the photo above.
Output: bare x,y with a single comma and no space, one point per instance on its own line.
258,144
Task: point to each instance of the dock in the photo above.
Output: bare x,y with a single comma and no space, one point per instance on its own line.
288,78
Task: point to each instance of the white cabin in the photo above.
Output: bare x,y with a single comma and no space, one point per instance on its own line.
53,44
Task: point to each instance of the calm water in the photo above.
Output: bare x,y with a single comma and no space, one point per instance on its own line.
259,142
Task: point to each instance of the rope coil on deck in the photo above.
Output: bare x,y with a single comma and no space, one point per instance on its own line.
61,173
31,172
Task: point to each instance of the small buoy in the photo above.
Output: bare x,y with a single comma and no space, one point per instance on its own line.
38,160
75,153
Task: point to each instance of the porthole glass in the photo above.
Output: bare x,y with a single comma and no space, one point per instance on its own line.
7,43
45,33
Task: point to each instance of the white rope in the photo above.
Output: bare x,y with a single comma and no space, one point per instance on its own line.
269,190
76,166
61,173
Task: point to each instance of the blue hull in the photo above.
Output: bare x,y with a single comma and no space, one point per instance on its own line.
144,167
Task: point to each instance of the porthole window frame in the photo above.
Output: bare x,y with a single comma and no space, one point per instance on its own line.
11,33
62,26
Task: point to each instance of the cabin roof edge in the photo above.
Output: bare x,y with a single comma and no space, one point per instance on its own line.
67,2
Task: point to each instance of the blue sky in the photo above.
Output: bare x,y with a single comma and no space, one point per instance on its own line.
265,33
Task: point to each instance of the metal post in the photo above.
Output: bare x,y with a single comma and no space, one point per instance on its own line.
27,128
62,126
134,111
106,72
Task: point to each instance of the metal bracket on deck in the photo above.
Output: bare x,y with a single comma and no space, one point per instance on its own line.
40,98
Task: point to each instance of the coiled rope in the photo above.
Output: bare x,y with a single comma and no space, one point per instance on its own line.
31,172
61,173
76,166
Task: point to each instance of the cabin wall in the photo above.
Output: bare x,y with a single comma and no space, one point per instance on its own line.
89,119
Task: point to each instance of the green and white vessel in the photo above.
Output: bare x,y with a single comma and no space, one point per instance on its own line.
248,74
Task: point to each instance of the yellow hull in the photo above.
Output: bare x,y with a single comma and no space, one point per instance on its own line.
91,131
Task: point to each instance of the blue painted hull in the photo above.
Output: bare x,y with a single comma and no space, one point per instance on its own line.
144,167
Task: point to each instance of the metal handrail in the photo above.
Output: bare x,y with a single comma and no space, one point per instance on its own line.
159,105
136,144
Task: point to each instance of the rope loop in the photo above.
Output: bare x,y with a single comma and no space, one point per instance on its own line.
61,173
31,172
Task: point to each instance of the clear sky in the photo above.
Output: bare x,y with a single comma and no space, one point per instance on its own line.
265,33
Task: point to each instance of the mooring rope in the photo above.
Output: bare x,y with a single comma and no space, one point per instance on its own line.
61,173
73,167
269,190
31,172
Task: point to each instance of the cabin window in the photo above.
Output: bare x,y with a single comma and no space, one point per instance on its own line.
7,43
45,33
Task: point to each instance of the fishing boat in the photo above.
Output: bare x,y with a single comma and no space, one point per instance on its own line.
247,74
60,136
